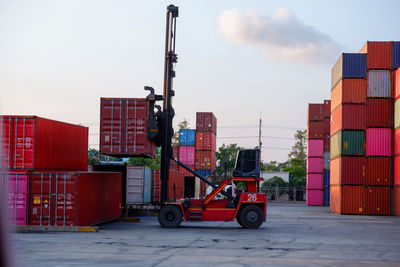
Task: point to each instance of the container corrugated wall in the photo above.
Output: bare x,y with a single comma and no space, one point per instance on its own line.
315,197
349,66
348,171
315,130
396,150
380,113
379,171
379,142
315,148
396,55
347,142
349,91
379,54
379,84
187,155
187,137
396,83
348,117
397,114
347,199
314,181
378,200
138,185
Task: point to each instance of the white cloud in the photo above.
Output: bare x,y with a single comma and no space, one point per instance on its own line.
281,36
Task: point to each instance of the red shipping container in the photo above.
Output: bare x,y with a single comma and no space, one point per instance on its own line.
327,125
379,55
396,81
74,198
347,199
327,108
175,152
205,160
380,113
396,142
378,200
315,130
124,126
315,112
176,185
348,171
327,142
14,187
185,172
396,163
206,141
349,91
31,142
379,170
349,117
379,142
396,202
206,122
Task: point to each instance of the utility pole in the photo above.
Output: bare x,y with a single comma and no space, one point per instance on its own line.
259,133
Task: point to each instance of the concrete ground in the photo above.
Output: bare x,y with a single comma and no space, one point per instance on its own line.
294,235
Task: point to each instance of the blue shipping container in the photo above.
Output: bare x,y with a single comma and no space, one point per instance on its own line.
396,55
203,173
327,178
187,137
326,197
349,66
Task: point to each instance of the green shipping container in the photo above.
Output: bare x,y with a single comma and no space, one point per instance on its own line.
348,143
397,114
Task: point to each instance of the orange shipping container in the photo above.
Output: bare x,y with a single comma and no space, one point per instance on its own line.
396,201
349,117
379,170
347,199
349,91
379,55
378,200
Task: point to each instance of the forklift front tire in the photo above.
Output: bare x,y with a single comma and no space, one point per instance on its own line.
251,217
170,216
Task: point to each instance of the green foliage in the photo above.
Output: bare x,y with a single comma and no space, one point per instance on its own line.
93,156
297,172
184,124
227,153
274,182
300,146
150,163
274,166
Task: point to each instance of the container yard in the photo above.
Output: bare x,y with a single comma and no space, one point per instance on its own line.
98,167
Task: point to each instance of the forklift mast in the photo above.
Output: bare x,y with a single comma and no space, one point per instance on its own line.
168,112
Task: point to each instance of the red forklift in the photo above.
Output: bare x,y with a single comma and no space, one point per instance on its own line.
245,203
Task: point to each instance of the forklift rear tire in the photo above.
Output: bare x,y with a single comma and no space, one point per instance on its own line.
170,216
251,217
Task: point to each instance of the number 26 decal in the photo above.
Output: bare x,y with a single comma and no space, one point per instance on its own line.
252,197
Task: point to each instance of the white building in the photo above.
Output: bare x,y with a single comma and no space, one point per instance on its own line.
266,175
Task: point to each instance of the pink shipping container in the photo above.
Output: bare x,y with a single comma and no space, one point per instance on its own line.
379,142
187,155
315,165
124,127
30,142
315,181
315,197
315,148
14,187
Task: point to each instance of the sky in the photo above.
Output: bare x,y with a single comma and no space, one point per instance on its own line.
242,60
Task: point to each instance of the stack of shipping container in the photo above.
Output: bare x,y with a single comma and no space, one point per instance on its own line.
327,157
206,146
396,76
44,176
361,131
318,125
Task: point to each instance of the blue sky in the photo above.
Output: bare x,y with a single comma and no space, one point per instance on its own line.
57,58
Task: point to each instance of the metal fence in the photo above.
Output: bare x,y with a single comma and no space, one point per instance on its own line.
285,194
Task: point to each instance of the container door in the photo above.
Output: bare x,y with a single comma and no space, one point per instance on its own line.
111,138
65,199
134,185
136,112
6,142
41,197
24,138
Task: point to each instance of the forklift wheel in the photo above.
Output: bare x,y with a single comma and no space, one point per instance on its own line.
170,216
251,217
239,221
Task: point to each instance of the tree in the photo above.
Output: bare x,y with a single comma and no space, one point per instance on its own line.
297,172
274,166
93,156
148,162
300,146
227,153
184,124
273,182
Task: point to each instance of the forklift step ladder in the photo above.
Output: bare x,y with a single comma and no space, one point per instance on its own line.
196,213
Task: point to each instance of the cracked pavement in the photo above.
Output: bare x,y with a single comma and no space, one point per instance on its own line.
294,235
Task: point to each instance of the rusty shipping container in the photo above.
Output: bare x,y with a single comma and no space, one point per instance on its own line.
206,122
315,112
124,127
349,91
74,198
206,141
31,142
379,84
378,200
349,117
205,160
315,130
347,199
348,171
379,171
176,185
380,113
379,54
349,65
